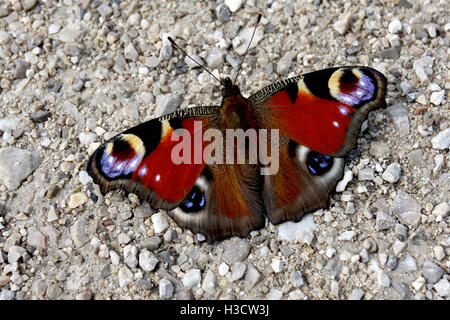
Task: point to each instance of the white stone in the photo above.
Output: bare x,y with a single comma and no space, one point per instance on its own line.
166,289
277,265
442,287
302,231
125,277
234,5
348,176
347,235
244,36
16,165
84,177
395,26
223,269
160,222
418,283
115,259
439,253
344,23
441,141
147,261
392,173
442,210
437,97
191,278
54,28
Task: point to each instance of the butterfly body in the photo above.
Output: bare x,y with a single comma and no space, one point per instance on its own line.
315,119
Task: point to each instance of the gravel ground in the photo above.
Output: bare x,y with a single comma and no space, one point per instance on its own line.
75,73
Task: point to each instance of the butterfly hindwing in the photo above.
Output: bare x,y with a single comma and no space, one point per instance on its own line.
319,116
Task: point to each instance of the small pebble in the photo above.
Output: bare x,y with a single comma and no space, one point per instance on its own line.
166,289
191,278
392,173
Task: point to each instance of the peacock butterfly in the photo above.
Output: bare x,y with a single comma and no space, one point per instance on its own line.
315,117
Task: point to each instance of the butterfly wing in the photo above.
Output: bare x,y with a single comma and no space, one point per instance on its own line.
139,160
319,116
217,200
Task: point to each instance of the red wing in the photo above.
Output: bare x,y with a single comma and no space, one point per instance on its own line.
217,200
322,110
139,160
319,116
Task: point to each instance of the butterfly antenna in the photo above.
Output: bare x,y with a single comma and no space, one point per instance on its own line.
248,47
202,66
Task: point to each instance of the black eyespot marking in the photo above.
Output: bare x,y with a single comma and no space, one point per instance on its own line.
194,201
319,164
292,91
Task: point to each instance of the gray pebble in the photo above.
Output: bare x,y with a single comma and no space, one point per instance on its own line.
78,84
370,245
130,52
296,279
238,270
235,250
28,4
401,231
151,243
78,232
392,173
16,165
343,24
390,53
6,294
432,272
284,64
366,174
184,295
252,277
356,294
166,103
35,238
442,288
4,37
392,262
132,261
166,52
40,116
21,69
400,118
105,11
441,141
410,218
191,278
147,261
15,253
403,289
223,13
379,149
407,264
415,157
384,221
53,291
166,289
210,282
215,58
404,202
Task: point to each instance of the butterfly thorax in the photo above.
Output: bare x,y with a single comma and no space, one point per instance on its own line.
235,108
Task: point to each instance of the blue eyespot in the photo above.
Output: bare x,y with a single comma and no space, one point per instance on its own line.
319,164
194,201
